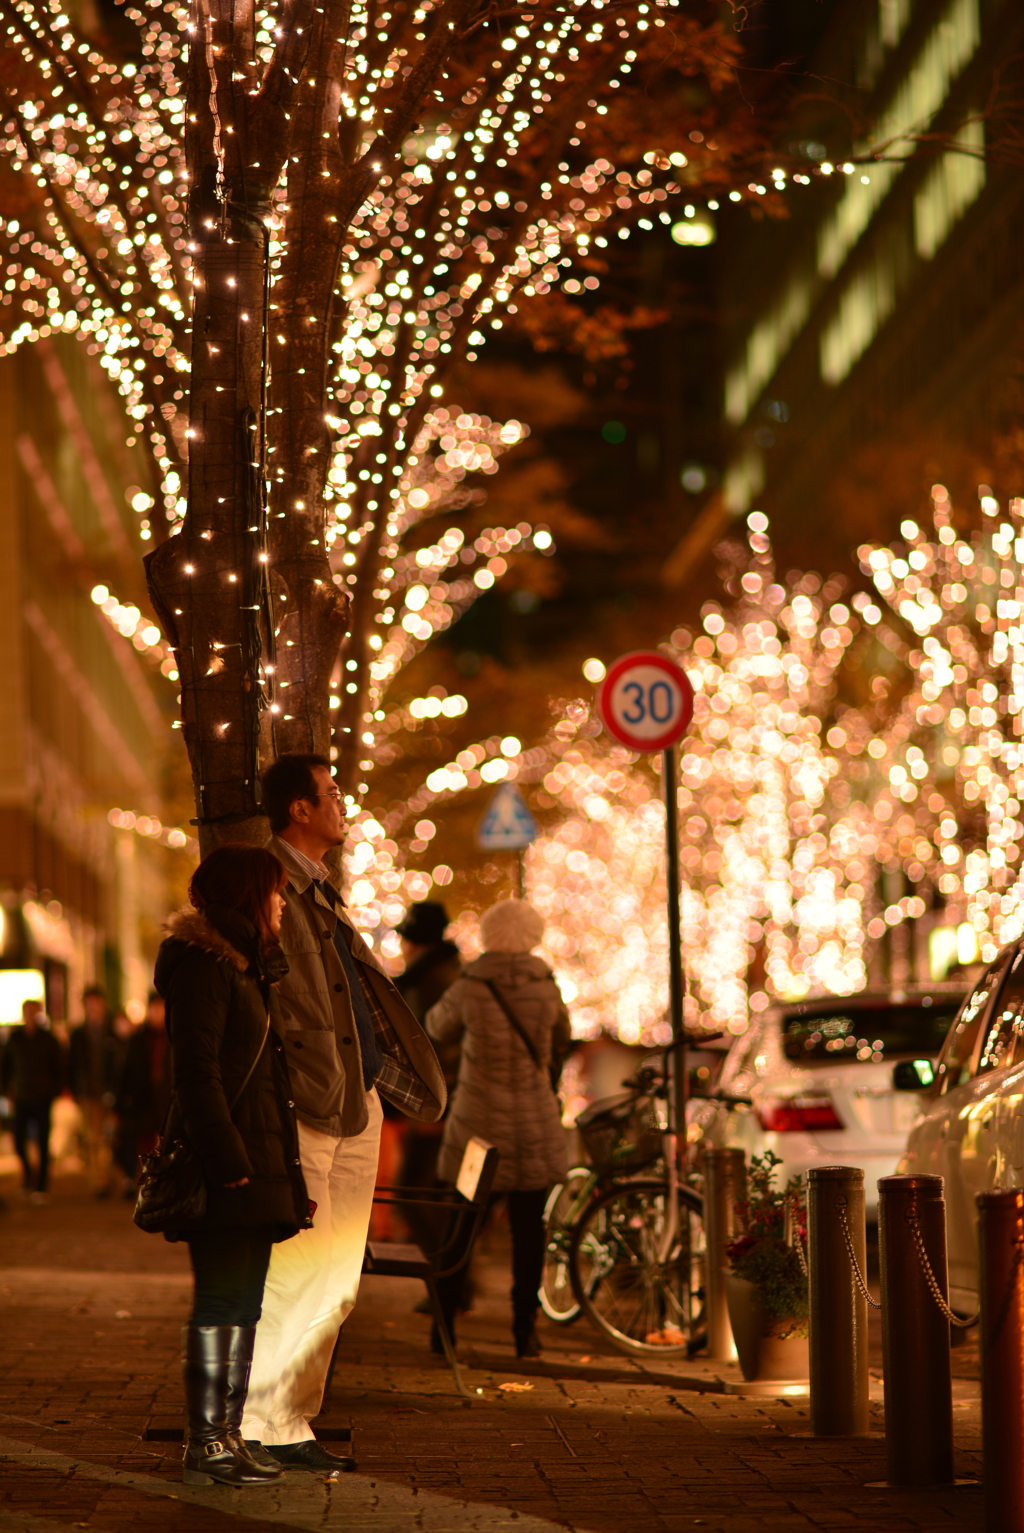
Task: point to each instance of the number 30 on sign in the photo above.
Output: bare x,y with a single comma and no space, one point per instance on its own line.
646,701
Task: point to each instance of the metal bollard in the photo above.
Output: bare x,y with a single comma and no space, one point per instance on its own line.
915,1333
1001,1239
836,1258
725,1185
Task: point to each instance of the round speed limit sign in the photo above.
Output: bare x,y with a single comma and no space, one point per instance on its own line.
646,701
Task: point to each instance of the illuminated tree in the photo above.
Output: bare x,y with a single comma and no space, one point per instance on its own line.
777,838
950,760
773,831
368,192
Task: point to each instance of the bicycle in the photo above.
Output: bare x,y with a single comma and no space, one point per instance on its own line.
625,1251
623,1136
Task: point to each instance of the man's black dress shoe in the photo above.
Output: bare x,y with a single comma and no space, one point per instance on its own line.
259,1454
310,1455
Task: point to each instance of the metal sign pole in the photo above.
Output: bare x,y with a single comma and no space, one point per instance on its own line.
676,981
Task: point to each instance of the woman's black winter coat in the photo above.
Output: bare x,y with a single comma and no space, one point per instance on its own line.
217,990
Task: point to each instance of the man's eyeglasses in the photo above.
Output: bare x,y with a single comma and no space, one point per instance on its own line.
335,795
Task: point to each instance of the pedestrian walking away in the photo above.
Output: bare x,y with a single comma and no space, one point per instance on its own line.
231,1099
350,1039
31,1074
144,1090
514,1029
92,1063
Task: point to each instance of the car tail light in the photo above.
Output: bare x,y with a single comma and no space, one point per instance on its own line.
810,1111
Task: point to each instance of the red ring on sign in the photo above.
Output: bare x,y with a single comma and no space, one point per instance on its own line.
651,657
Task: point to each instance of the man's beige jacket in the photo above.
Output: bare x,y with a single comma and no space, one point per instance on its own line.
318,1026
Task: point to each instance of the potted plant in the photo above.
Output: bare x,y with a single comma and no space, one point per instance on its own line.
766,1285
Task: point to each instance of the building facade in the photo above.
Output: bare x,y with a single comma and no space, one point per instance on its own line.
883,342
88,693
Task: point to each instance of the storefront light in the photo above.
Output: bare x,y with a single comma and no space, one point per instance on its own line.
16,987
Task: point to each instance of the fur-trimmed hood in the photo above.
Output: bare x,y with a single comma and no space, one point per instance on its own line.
193,927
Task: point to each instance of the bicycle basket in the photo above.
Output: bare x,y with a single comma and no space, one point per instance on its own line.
621,1134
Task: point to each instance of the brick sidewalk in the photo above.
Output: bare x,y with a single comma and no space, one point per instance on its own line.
90,1312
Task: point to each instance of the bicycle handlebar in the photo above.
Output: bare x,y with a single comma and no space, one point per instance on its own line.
689,1041
646,1076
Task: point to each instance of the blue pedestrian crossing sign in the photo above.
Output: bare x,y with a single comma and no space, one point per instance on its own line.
508,825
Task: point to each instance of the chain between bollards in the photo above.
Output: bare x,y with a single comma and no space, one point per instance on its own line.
929,1275
793,1235
851,1253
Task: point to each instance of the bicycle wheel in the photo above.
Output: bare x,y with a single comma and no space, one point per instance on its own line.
641,1286
566,1202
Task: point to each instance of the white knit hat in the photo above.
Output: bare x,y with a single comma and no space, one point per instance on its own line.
511,926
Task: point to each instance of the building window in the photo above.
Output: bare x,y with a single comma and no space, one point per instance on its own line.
950,45
949,189
863,309
766,346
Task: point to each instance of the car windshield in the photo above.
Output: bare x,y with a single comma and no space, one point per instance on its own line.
868,1032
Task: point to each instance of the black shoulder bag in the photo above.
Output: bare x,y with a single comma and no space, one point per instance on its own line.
172,1187
524,1036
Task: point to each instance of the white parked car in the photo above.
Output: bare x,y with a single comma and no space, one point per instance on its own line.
971,1127
814,1082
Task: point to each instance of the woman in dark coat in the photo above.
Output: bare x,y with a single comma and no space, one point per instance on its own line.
232,1100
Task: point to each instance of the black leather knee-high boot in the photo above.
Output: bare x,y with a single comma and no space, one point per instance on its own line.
216,1360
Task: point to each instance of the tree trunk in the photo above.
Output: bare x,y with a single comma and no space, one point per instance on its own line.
209,583
310,612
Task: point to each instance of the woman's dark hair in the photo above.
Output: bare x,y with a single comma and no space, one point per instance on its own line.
243,878
288,778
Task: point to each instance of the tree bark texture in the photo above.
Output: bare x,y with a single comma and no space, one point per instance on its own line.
209,584
248,601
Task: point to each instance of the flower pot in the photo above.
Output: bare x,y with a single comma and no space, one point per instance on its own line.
767,1349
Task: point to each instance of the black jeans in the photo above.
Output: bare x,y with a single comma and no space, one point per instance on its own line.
32,1121
526,1219
230,1268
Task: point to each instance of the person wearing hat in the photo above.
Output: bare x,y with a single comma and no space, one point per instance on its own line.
431,963
511,1021
408,1155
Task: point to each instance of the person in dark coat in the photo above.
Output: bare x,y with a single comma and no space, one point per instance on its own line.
31,1074
432,964
92,1064
144,1090
232,1100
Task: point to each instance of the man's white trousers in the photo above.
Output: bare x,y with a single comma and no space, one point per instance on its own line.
312,1285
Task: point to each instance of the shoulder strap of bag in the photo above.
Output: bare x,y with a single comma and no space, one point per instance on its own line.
172,1105
506,1008
249,1073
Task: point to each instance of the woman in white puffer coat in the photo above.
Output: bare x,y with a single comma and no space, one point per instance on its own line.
504,1093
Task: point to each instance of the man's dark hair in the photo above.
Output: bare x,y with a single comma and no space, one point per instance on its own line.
290,777
94,990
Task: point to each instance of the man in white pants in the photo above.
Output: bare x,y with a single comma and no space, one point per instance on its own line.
347,1034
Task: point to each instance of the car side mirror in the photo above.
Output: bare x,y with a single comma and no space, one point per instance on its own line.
913,1075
